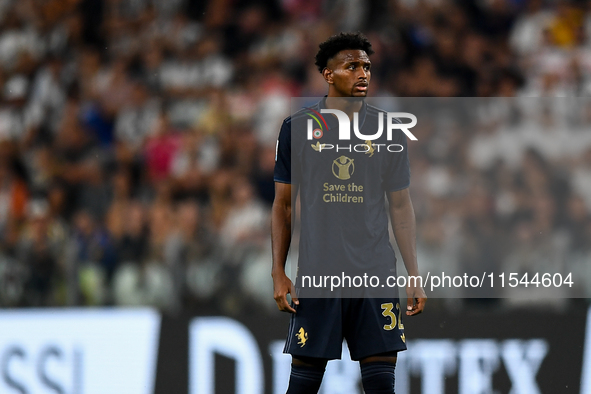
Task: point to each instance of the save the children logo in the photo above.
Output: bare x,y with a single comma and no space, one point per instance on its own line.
343,167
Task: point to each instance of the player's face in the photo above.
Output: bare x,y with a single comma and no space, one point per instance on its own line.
348,74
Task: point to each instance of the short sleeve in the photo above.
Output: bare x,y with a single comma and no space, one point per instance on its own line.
396,175
282,172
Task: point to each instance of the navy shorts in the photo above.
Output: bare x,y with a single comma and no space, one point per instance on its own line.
371,326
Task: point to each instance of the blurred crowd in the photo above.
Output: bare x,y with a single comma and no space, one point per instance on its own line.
503,185
137,138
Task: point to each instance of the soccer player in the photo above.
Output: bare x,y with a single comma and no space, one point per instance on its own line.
352,225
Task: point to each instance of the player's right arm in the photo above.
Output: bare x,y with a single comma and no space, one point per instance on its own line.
280,240
281,220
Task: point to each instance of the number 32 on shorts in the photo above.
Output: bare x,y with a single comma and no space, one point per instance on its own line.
387,311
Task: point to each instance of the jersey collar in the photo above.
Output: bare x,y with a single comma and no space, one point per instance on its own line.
331,121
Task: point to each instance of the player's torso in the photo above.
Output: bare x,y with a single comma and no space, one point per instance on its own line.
343,210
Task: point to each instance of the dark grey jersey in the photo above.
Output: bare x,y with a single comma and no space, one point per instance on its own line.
342,186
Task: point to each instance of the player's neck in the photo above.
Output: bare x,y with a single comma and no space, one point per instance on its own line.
348,105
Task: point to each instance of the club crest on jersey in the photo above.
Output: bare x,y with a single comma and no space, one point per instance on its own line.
370,148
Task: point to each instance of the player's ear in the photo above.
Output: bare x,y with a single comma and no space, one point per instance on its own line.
327,74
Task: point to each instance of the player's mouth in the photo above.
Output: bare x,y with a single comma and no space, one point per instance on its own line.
362,86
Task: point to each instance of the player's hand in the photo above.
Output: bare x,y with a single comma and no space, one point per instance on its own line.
281,286
416,300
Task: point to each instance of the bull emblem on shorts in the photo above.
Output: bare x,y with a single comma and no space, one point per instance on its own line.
302,337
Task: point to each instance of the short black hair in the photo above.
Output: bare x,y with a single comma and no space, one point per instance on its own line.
341,42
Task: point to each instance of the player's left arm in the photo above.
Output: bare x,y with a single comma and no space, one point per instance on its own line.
402,215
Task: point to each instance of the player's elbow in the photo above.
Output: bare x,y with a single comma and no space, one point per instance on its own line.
400,200
281,208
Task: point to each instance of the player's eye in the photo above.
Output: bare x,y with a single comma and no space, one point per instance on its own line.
351,67
367,67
